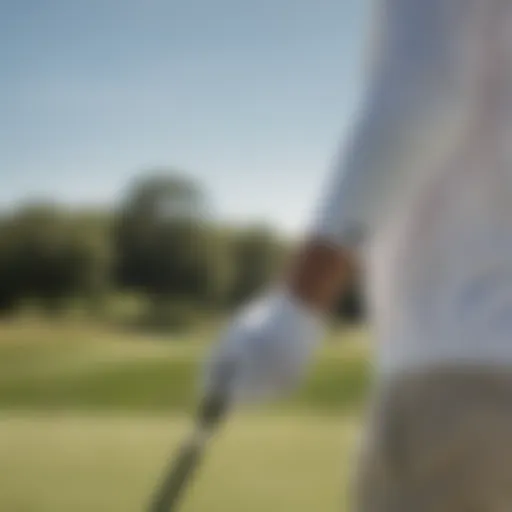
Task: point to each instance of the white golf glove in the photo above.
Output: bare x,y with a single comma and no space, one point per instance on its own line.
266,349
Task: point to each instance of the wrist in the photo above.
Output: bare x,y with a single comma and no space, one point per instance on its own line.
320,273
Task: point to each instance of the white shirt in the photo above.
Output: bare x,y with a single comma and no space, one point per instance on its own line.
426,176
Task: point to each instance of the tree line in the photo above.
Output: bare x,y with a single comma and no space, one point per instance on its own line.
159,243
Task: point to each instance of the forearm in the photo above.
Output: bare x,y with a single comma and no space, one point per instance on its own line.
383,152
411,117
377,165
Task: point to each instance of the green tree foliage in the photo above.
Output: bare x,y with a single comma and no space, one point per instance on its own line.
90,256
258,255
165,246
10,292
47,255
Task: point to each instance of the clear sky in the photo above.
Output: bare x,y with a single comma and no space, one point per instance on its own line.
250,96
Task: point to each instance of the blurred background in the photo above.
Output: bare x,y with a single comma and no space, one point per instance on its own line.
159,160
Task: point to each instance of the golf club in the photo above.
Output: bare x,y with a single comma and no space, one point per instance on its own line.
181,470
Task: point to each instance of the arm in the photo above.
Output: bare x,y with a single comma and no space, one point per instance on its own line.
410,118
398,133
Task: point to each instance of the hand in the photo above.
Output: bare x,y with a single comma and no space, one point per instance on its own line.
265,349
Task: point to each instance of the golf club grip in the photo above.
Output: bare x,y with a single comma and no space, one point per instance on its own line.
182,469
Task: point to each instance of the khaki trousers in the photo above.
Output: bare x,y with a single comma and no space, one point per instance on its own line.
439,441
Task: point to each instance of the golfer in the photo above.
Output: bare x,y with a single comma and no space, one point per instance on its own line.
420,200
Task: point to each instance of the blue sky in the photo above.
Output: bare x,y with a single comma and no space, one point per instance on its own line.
252,97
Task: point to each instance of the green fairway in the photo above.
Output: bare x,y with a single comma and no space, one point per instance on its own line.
111,464
80,367
89,417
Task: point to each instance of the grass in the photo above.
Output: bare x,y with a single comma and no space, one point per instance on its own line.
111,464
77,367
89,416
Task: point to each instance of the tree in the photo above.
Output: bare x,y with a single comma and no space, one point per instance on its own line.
90,256
47,255
9,287
258,256
165,247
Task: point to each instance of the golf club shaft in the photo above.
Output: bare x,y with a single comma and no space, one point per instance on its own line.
179,474
183,468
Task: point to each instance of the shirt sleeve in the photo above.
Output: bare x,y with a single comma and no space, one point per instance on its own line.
410,116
